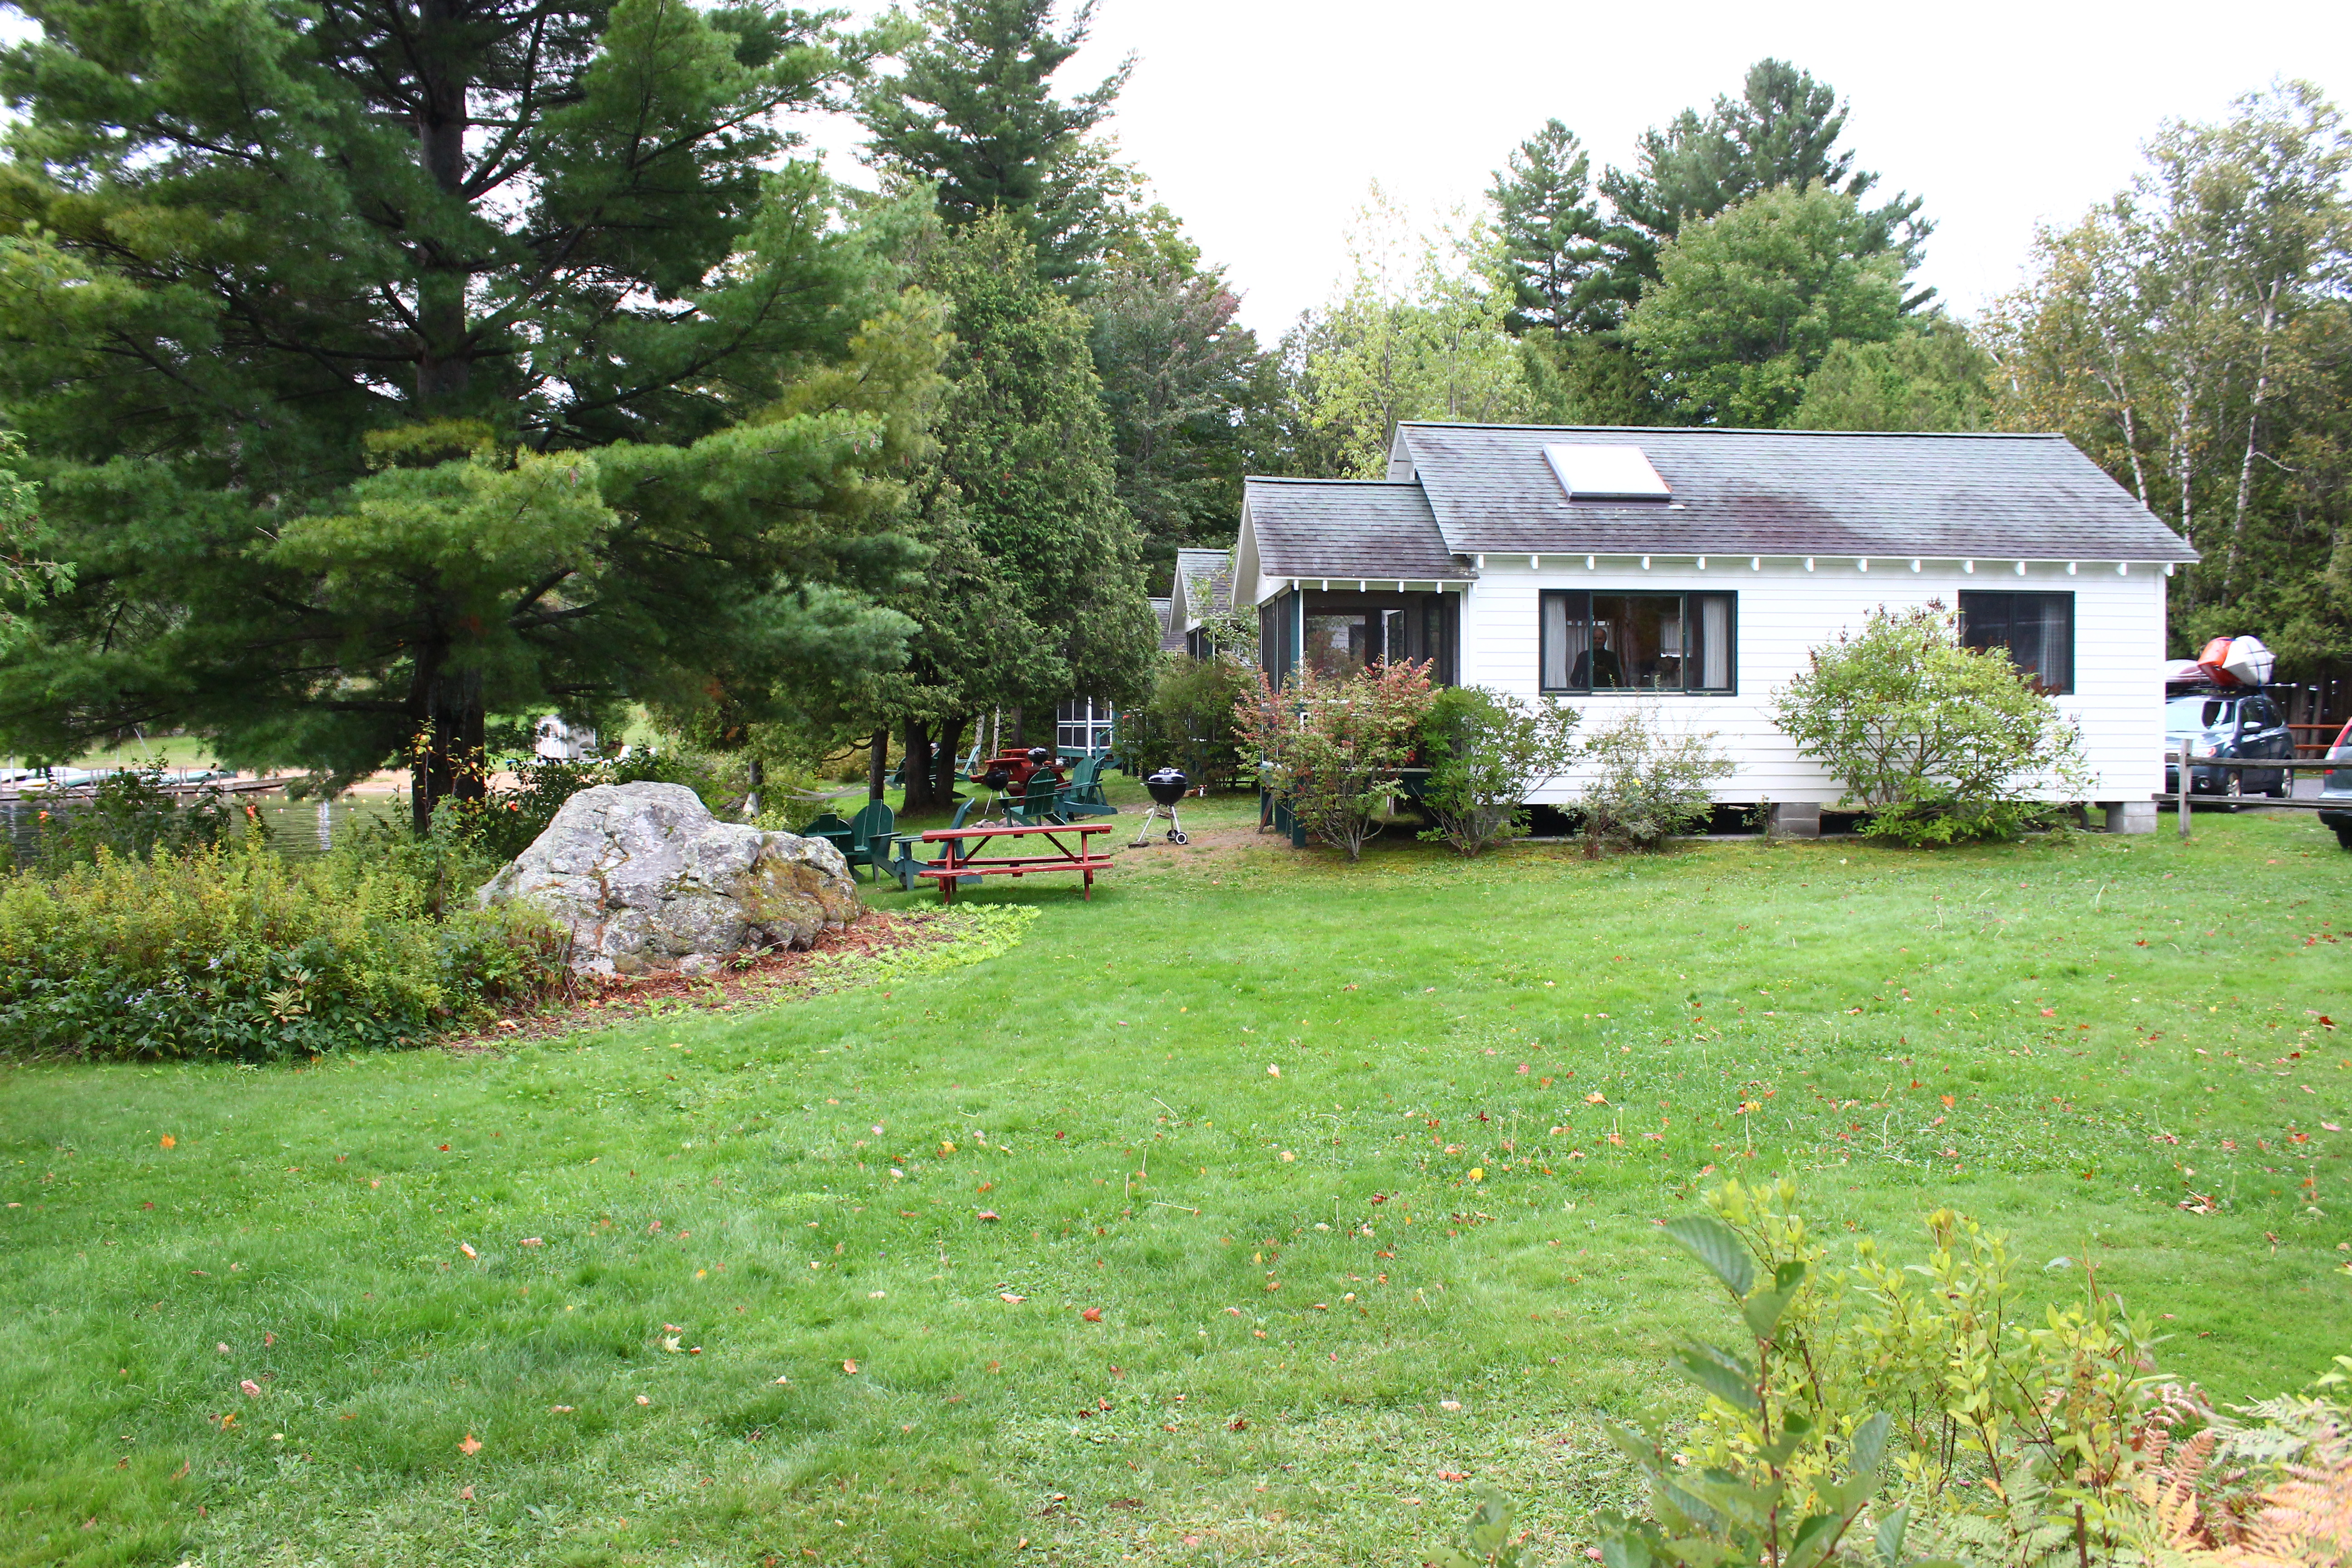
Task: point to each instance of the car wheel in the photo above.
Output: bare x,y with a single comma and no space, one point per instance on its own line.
2344,835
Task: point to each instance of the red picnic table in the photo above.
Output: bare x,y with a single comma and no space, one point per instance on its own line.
960,860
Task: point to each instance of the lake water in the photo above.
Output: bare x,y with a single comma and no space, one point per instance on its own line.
296,827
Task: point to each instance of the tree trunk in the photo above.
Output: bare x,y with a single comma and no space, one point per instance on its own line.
915,769
449,761
877,764
445,364
1012,716
754,775
943,762
2254,434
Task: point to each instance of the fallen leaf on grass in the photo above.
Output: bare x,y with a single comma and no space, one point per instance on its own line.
465,1494
1238,1424
533,1241
1092,1314
850,1367
1010,1298
1596,1098
470,1445
252,1389
1453,1475
643,1400
468,1248
987,1214
168,1142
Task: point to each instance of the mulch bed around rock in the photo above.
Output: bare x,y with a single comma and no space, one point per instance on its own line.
745,981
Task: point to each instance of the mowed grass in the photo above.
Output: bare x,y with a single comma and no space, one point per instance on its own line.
1361,1167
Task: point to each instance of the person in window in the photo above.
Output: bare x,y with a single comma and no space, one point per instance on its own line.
1598,668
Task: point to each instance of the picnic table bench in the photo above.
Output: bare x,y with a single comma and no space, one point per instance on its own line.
960,860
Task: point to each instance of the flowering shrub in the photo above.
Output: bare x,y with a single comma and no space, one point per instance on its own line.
1331,746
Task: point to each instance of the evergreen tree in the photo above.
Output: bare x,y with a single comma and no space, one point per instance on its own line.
1781,131
1554,239
1038,595
1178,372
973,114
1750,300
1933,376
381,362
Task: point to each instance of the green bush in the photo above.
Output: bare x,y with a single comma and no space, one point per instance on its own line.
1939,742
1648,784
1188,721
234,952
1860,1412
1486,752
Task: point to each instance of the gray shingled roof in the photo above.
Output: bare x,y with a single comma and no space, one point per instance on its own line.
1349,529
1213,566
1172,638
1771,492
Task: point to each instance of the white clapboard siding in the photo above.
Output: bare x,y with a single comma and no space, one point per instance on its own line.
1785,611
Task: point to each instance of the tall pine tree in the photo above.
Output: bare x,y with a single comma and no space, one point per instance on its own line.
327,328
1781,131
973,114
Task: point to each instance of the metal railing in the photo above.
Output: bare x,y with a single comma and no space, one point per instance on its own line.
2259,764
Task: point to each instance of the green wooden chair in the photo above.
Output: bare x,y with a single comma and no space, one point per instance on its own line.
1039,805
831,827
870,832
1085,796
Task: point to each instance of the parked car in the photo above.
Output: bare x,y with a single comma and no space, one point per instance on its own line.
2228,725
2336,786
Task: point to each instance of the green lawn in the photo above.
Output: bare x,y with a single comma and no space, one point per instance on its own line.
1414,1251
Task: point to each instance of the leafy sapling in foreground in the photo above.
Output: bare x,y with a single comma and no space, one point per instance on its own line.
1760,1501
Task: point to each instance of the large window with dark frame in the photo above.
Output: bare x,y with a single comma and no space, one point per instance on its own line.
1639,642
2036,629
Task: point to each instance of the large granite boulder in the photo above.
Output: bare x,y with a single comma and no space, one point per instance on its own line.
649,881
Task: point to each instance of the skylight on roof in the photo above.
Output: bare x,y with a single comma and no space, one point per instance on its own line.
1606,473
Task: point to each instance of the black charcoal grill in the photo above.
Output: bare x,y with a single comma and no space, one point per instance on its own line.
1167,786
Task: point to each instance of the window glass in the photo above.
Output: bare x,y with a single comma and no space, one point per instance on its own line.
1339,645
1636,642
2185,715
2036,629
1714,641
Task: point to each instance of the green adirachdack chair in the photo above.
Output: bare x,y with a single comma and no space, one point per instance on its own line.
833,828
1040,805
870,833
1085,795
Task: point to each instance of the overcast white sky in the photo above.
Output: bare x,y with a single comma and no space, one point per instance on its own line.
1261,121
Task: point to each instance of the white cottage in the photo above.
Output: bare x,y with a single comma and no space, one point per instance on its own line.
1697,567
